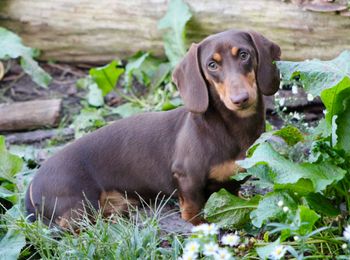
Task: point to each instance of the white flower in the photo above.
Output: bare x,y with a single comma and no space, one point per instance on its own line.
206,229
222,254
278,252
188,256
296,238
344,246
282,101
230,239
346,233
285,209
210,249
296,116
280,203
310,97
295,89
192,247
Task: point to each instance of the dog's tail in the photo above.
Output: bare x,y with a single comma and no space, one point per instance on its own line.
29,204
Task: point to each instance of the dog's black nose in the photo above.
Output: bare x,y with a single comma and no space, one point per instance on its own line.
240,99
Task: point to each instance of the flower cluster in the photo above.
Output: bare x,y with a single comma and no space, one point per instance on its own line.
204,243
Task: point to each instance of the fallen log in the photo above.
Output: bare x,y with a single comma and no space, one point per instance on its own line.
38,136
30,114
83,31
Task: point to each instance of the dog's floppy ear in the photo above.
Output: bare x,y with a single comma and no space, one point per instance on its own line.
190,82
268,77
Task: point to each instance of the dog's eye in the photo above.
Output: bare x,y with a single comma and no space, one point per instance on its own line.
243,55
212,65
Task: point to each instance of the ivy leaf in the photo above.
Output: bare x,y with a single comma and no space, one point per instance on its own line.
11,47
9,164
227,210
321,174
11,245
268,208
106,77
174,22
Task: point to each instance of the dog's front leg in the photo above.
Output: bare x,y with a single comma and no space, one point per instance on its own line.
191,197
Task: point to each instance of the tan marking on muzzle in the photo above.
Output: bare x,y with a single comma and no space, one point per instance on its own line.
189,211
217,57
234,51
222,172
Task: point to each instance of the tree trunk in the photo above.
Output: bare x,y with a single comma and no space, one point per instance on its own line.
90,31
30,114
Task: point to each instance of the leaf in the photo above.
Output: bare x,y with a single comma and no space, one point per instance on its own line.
265,251
343,126
94,96
9,164
323,205
302,187
305,219
126,110
268,207
321,174
38,75
88,120
227,210
317,75
11,245
107,76
175,21
11,47
134,65
290,134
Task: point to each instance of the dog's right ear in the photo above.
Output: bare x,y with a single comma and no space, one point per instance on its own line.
190,82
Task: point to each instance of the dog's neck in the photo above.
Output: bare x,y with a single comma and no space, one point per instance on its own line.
249,128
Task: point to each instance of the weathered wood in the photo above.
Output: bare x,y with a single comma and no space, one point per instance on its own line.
84,31
38,136
30,114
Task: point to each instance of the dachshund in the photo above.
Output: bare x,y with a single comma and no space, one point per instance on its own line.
190,150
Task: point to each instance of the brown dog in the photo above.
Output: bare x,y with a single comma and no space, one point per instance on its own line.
191,149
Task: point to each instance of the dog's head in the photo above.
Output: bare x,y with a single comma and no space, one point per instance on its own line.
237,65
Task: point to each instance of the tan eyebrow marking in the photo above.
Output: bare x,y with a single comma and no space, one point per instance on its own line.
234,51
217,57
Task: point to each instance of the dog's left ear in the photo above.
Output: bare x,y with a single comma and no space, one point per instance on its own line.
190,82
268,77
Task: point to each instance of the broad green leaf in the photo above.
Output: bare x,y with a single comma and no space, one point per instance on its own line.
290,134
343,126
268,208
322,205
32,68
265,251
9,164
227,210
107,76
265,177
11,245
88,120
301,188
317,75
95,97
305,219
126,110
11,47
134,66
174,22
321,175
